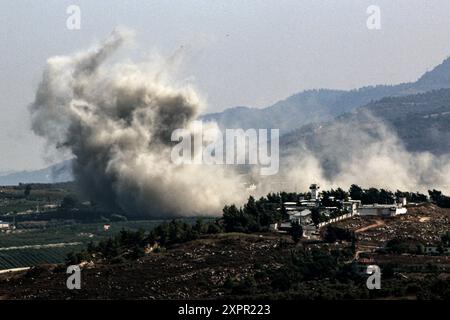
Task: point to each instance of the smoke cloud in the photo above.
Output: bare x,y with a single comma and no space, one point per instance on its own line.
116,120
361,150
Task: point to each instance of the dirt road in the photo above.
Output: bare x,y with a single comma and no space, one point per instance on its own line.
378,223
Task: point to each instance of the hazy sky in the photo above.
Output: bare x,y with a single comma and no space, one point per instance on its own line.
235,52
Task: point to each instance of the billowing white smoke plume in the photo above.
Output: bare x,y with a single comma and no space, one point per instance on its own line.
365,152
117,120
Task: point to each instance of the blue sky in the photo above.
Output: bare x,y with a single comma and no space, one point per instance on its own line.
235,52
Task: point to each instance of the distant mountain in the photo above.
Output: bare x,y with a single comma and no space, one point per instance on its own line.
324,104
421,121
61,172
435,78
416,111
4,173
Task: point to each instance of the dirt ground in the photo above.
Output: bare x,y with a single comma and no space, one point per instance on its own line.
425,223
199,269
195,270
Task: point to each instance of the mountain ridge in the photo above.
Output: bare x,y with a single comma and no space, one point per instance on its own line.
59,172
319,105
420,121
304,111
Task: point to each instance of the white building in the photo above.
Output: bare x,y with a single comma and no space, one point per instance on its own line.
314,191
4,225
301,211
290,206
302,217
385,210
351,206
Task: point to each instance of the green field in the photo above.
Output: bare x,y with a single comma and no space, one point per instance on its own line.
13,199
31,257
82,233
71,233
69,221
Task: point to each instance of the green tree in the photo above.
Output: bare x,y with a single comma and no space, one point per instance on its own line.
27,191
69,202
435,195
332,234
370,196
356,192
283,210
386,197
250,207
200,226
296,231
315,216
214,228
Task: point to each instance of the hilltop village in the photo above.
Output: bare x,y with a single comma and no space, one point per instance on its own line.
314,211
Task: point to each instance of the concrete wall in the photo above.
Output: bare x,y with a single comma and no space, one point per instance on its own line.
340,218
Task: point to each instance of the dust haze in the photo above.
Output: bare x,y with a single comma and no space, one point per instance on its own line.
116,121
366,152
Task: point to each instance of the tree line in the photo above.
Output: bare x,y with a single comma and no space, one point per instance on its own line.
132,245
253,216
257,215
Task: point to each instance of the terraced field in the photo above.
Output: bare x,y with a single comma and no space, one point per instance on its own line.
18,258
25,248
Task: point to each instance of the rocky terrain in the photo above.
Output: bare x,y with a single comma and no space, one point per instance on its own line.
197,269
424,223
266,265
